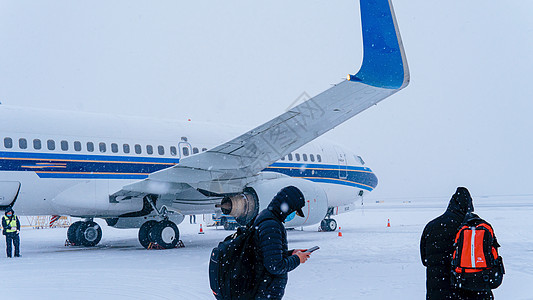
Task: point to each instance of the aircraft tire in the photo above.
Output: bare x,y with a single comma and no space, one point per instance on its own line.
328,225
89,234
144,236
229,226
165,234
71,233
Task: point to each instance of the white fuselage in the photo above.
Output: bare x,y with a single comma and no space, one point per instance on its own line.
61,163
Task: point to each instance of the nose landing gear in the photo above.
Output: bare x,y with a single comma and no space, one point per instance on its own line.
84,233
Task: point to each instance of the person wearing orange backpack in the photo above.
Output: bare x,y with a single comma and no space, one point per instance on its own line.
437,247
477,268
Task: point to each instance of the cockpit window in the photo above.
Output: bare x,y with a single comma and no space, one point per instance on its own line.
359,159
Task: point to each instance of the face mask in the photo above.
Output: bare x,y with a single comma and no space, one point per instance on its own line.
290,216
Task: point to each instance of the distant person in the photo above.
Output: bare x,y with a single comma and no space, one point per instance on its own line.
192,219
272,241
437,247
11,229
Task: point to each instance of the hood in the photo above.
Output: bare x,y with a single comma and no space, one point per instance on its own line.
461,202
9,209
287,201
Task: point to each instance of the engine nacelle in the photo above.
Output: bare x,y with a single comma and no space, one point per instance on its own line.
257,196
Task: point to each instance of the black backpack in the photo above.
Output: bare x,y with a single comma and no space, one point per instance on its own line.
234,270
476,265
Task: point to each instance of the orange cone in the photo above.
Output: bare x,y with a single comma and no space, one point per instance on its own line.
201,230
340,233
388,222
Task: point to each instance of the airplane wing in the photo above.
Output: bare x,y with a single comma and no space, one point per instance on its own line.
226,168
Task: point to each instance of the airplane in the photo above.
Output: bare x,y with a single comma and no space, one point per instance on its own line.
150,173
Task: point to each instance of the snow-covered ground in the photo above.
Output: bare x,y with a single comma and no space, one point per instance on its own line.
370,260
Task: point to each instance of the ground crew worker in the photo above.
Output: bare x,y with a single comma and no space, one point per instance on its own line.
11,229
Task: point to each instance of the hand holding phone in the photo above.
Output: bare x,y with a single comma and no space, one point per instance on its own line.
312,249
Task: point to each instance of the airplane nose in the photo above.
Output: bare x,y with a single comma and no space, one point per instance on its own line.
372,179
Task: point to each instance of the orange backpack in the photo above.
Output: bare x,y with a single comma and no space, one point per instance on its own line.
476,265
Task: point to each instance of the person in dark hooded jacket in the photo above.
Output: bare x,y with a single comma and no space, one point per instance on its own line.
11,229
436,250
272,240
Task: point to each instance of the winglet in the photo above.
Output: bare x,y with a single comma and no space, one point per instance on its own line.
384,62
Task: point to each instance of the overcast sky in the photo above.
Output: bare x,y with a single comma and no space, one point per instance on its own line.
465,119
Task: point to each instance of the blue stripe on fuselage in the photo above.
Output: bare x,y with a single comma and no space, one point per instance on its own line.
77,166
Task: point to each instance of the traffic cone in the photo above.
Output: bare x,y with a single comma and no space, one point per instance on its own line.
340,233
201,230
388,222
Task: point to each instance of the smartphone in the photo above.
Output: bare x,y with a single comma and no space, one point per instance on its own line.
312,249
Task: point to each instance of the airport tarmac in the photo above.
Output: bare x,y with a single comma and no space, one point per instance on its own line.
369,261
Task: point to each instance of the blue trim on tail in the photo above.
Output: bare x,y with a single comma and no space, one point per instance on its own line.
383,65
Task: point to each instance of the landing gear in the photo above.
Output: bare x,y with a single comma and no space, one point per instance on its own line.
230,226
227,224
144,231
164,234
328,225
71,233
86,233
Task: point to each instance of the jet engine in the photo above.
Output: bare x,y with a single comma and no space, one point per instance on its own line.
257,195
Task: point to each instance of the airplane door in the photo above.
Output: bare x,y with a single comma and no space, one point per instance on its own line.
343,164
8,192
185,149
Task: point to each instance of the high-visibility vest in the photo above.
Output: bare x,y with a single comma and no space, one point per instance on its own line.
12,223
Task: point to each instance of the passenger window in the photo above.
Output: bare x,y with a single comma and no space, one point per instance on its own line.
138,149
102,147
311,157
204,149
304,156
77,146
126,148
161,150
64,145
23,143
283,158
37,144
51,144
149,149
173,151
289,156
90,147
319,158
8,142
114,148
297,156
185,151
195,150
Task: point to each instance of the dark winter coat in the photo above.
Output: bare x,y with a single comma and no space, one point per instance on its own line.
436,249
273,250
436,246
